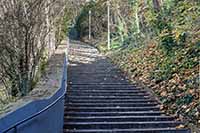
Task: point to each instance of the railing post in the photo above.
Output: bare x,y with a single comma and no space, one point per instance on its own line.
15,129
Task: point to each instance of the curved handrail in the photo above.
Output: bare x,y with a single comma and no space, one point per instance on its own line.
64,79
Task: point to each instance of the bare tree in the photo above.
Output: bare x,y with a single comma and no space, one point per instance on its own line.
27,37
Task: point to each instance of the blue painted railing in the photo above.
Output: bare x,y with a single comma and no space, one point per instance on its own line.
42,116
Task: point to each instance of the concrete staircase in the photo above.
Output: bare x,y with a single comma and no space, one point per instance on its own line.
101,100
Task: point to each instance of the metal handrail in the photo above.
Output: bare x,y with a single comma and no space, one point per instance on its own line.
14,126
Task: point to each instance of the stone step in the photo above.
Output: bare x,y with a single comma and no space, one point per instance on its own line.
108,94
118,118
94,68
112,109
114,113
111,104
103,82
109,90
93,90
91,71
121,125
98,73
83,80
105,74
112,101
108,97
99,64
105,85
75,76
105,90
131,130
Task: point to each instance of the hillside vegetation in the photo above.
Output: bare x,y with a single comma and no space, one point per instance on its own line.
156,43
169,61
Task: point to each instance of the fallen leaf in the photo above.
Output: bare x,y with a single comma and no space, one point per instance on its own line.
184,106
161,107
180,126
164,93
187,110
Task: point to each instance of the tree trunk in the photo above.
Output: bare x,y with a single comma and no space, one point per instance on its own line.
156,5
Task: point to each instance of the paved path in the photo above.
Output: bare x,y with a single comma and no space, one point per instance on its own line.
101,100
